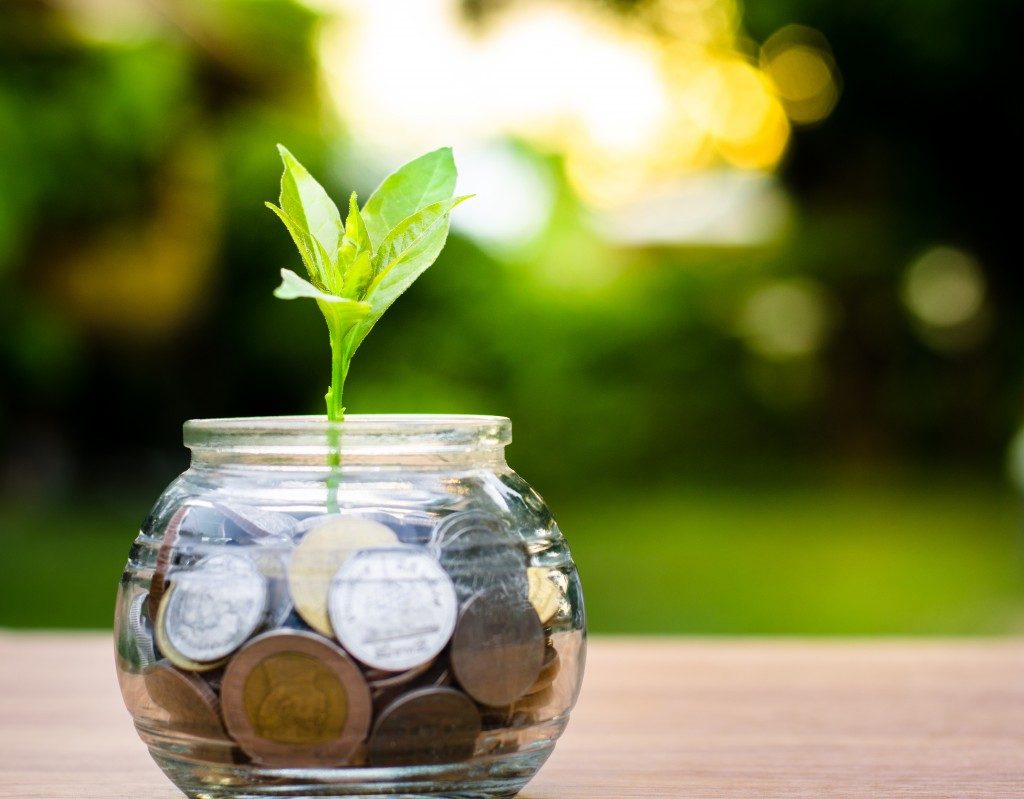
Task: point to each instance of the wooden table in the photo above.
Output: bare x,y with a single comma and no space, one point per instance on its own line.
756,719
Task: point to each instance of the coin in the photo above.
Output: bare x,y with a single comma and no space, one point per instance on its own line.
497,648
141,631
214,607
158,584
292,698
279,601
393,608
167,650
188,699
544,594
548,671
429,725
257,523
320,553
479,552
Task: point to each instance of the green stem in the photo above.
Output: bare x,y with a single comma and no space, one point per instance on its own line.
340,358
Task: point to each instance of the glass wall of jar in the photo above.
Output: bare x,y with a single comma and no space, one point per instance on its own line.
373,606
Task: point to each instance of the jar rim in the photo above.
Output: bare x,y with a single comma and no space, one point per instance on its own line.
370,434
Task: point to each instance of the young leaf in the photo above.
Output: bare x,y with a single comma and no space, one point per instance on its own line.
313,256
294,287
405,254
306,203
357,271
423,181
355,228
358,275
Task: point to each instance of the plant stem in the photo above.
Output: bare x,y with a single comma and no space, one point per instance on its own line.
340,357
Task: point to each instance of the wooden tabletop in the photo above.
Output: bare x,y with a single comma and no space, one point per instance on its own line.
757,719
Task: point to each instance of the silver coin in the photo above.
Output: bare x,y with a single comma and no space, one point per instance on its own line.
479,552
392,608
271,564
215,607
141,630
258,523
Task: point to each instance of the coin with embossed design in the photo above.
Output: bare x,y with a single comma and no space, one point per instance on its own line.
214,607
320,553
293,698
393,608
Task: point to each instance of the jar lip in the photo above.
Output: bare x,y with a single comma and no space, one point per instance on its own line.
357,433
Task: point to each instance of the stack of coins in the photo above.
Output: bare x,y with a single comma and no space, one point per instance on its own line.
360,638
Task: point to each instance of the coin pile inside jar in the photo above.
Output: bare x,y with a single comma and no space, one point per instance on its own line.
344,639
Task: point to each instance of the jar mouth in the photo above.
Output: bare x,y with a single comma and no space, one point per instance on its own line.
358,435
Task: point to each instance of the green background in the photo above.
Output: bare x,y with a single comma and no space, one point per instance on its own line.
861,488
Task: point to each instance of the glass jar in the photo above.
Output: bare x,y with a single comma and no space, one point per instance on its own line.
377,606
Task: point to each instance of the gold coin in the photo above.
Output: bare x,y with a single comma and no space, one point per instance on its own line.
292,698
168,651
545,596
320,554
295,699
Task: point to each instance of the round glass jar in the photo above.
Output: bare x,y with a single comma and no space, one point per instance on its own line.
374,607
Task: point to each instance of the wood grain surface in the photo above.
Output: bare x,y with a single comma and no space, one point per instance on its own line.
757,719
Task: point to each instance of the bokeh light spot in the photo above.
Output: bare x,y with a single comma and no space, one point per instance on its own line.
786,319
944,288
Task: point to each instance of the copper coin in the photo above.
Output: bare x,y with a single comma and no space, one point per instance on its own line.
188,699
548,671
497,647
293,698
429,725
158,584
386,687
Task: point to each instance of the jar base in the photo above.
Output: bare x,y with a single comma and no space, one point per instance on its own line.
482,778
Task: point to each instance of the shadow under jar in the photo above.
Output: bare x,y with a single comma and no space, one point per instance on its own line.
374,607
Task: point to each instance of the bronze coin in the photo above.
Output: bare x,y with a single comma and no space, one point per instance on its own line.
158,584
498,647
293,698
548,671
188,699
429,725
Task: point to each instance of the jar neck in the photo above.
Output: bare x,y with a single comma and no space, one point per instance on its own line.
400,441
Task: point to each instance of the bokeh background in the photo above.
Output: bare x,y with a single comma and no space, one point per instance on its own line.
745,278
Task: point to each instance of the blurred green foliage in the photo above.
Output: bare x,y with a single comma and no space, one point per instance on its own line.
137,261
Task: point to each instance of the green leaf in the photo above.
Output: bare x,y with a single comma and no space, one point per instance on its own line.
421,182
312,254
306,203
358,275
355,228
294,287
405,254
